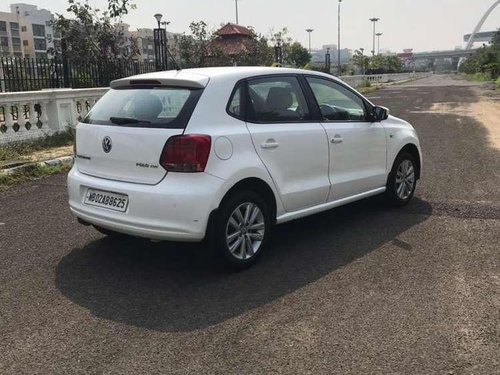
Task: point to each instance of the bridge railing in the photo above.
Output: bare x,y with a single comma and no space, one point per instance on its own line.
362,80
30,115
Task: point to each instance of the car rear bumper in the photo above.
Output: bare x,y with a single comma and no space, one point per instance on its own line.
176,209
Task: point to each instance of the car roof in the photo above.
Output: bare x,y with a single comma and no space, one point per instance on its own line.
199,77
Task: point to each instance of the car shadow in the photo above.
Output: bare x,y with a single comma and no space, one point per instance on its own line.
176,287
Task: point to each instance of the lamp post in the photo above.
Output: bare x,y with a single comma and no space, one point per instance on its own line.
237,13
160,40
362,60
378,42
328,61
309,31
278,53
374,20
338,47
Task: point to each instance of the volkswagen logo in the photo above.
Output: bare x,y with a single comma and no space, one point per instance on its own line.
107,145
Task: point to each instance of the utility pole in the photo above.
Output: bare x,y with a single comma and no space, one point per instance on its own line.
237,16
378,41
362,60
309,31
374,20
338,46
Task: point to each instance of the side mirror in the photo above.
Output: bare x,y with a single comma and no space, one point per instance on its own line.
379,114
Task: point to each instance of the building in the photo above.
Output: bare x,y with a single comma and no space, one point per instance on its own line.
233,39
38,34
145,44
11,34
318,55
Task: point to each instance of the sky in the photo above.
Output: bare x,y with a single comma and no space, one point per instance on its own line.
423,25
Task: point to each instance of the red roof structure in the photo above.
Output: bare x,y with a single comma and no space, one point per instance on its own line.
233,39
233,29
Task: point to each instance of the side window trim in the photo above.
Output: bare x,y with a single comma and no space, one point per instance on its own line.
248,106
366,105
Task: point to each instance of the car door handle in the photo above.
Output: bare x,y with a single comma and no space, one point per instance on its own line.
337,139
270,144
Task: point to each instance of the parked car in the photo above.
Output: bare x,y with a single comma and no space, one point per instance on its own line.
226,153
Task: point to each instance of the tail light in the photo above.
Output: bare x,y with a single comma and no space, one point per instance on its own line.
186,153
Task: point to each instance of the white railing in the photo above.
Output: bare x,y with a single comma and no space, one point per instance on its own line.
30,115
360,80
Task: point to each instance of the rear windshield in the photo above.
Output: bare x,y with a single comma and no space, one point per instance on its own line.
153,107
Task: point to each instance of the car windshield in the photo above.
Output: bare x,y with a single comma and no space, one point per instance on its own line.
159,107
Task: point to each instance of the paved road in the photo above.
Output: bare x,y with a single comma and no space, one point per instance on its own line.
363,289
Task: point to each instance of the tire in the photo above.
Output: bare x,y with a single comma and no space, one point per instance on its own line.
400,190
240,239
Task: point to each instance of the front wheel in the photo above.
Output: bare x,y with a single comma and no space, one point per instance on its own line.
402,180
242,229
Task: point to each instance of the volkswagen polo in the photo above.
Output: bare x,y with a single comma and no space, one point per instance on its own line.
224,154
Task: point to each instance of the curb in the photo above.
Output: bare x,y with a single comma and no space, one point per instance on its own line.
63,160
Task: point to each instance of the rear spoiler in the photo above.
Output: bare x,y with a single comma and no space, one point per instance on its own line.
187,80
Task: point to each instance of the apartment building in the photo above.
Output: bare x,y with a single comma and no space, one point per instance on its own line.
11,34
145,44
38,34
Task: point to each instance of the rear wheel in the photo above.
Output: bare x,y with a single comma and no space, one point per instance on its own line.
242,229
402,180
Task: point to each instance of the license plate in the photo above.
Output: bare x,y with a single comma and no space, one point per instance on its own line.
106,199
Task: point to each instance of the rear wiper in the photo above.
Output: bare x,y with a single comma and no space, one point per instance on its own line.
127,120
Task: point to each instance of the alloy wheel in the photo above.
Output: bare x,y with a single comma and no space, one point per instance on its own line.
405,179
245,231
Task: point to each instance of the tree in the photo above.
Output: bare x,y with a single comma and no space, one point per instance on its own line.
380,64
360,60
194,50
92,35
199,49
297,55
258,52
486,61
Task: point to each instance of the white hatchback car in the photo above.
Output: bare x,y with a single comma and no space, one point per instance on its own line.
226,153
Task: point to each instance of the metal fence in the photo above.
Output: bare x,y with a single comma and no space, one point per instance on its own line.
22,74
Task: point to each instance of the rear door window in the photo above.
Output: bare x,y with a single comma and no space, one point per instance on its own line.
158,107
276,99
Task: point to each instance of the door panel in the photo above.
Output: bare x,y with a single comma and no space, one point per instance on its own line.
357,146
357,158
296,156
293,148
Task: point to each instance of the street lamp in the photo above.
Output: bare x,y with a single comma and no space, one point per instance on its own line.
160,41
374,20
378,41
338,47
158,17
309,31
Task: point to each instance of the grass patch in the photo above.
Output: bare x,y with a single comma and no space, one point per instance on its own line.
367,89
19,150
32,172
498,82
477,77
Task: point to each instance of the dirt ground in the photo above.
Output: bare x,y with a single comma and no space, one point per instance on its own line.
51,153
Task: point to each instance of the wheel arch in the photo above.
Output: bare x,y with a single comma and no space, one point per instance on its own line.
259,186
413,150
